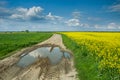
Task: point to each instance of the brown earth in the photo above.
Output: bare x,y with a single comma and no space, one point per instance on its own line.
41,69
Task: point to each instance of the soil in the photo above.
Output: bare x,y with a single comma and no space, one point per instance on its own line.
41,69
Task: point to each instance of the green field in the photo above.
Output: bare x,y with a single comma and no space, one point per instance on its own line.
12,41
96,55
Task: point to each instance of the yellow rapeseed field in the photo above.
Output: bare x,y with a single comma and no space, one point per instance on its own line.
104,46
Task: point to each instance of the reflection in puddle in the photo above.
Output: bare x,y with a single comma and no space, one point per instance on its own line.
54,56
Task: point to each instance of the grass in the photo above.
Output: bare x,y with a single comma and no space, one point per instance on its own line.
84,63
96,54
12,41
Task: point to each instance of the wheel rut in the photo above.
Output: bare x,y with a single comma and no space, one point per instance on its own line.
44,67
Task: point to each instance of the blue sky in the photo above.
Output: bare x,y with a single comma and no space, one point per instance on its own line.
60,15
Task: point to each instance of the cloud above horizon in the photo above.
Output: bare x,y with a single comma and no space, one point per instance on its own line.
76,17
27,14
73,22
33,13
115,8
109,26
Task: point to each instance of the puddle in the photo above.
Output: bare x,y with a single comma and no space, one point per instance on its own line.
54,56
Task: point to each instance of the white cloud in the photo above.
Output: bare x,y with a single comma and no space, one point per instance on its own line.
109,26
17,16
27,13
22,10
115,8
76,22
53,17
73,22
34,11
112,26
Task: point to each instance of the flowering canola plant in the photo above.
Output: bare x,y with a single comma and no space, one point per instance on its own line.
104,46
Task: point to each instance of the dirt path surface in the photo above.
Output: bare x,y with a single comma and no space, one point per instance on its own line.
42,68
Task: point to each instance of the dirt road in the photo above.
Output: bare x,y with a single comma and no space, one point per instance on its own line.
42,68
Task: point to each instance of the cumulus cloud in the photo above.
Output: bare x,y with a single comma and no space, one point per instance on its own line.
73,22
115,8
112,26
25,18
52,17
33,13
76,22
109,26
27,13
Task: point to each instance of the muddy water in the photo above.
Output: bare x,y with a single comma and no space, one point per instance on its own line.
54,56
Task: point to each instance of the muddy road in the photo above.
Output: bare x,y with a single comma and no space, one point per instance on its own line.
48,60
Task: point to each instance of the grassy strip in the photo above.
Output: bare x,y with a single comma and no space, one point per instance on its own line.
10,42
84,63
